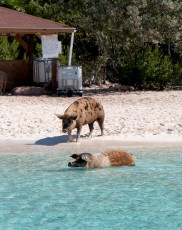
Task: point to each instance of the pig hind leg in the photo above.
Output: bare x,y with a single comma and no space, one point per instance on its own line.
101,125
91,128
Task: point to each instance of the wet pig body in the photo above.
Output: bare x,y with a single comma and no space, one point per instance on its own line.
105,159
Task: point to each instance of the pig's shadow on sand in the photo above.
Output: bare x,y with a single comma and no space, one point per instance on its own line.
50,141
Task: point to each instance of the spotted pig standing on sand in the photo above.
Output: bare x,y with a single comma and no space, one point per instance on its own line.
105,159
84,111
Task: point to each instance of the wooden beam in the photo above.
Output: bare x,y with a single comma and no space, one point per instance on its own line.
35,31
31,52
38,35
54,75
22,42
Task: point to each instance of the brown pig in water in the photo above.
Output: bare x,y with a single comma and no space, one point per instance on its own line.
105,159
84,111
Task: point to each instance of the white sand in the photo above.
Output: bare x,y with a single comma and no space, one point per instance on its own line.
130,116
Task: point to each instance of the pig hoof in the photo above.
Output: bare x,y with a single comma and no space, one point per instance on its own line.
70,140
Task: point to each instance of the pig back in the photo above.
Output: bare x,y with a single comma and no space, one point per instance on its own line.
86,109
120,158
92,110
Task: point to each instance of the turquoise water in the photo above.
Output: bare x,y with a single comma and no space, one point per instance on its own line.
39,191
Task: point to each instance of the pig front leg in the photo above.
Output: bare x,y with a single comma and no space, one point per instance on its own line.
78,133
70,138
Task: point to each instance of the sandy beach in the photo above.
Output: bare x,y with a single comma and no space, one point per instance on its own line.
130,116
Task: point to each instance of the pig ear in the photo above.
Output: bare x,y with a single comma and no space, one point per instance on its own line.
59,116
86,157
74,156
68,116
73,117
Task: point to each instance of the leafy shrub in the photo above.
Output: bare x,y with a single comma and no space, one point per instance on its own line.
149,69
9,50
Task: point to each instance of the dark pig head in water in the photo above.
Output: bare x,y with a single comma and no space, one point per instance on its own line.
81,160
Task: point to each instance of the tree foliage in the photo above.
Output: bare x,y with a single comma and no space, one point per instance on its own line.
9,49
151,69
112,33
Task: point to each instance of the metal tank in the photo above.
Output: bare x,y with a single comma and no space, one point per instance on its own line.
42,73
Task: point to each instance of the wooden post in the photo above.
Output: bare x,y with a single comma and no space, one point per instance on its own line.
30,53
54,75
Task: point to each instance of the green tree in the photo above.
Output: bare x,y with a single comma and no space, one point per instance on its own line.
111,32
151,69
9,50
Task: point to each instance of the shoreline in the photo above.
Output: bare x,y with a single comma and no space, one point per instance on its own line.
147,141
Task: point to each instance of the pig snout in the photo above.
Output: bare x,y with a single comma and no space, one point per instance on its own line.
73,164
65,128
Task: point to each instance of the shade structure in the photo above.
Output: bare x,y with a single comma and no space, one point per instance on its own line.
14,22
19,24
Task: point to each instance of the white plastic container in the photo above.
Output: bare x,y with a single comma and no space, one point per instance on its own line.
69,79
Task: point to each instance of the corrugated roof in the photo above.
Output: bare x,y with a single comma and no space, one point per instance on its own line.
12,21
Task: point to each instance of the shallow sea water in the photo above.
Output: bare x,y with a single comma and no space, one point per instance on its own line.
39,191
